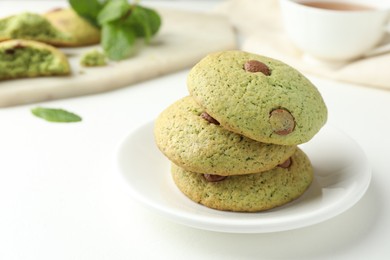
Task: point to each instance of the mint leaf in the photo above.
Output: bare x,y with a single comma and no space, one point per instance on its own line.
139,20
146,22
55,115
120,23
154,19
113,10
117,40
89,9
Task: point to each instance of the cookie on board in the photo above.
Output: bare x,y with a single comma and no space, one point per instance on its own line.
81,31
31,26
25,58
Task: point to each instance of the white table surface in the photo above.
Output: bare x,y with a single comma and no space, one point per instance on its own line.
60,196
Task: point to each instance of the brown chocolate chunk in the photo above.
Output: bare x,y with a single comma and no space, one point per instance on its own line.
282,122
12,50
214,177
257,66
209,118
286,163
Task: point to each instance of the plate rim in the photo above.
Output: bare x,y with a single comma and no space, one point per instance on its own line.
250,225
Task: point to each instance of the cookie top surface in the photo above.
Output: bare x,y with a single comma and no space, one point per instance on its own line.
25,58
67,21
251,192
189,140
259,97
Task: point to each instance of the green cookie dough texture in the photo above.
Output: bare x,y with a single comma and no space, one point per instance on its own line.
25,58
242,101
197,145
60,27
32,26
251,192
93,58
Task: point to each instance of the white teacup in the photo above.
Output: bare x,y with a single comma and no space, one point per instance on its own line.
336,35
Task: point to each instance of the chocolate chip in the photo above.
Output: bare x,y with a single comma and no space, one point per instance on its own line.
19,46
11,50
214,177
286,163
209,118
257,66
282,122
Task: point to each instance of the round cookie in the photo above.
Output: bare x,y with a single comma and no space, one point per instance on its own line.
25,58
60,27
259,97
31,26
251,192
193,141
69,22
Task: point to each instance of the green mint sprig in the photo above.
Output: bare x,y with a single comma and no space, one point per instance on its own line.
121,23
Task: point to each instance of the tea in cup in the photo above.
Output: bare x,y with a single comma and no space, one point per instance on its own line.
336,30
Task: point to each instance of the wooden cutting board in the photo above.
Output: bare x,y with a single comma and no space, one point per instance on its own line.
185,37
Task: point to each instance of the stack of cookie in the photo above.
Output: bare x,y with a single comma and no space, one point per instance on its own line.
233,141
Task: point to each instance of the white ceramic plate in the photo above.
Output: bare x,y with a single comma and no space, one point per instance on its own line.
342,176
